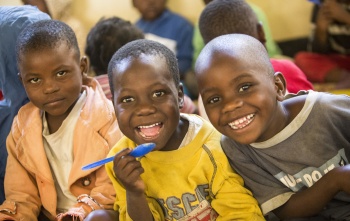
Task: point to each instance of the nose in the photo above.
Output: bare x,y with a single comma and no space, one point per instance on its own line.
50,86
145,107
232,104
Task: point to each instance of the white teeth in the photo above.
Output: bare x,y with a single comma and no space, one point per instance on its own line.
149,126
242,122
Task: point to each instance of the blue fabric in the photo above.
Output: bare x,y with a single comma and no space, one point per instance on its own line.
12,21
173,26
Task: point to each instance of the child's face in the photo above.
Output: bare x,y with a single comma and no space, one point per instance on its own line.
52,79
146,101
239,98
150,9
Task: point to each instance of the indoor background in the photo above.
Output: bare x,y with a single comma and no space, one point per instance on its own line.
288,20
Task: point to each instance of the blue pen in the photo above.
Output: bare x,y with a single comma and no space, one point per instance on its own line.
139,151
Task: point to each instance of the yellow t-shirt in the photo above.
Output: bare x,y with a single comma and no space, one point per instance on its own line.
191,181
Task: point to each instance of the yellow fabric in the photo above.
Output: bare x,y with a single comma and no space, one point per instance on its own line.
340,91
28,178
179,180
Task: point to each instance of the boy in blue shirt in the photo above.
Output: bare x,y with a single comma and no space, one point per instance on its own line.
164,26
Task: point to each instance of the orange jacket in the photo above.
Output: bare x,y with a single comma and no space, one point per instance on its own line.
29,185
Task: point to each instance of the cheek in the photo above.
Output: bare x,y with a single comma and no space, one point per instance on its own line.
33,94
122,116
213,116
75,86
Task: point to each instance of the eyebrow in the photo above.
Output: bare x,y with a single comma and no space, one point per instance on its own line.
232,82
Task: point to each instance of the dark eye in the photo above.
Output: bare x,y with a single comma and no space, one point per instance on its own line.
244,87
127,100
214,100
34,80
61,73
158,94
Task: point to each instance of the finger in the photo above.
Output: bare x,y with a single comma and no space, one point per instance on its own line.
134,176
120,154
130,174
126,165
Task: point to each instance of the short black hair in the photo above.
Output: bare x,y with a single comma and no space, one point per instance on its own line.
136,48
105,38
221,17
45,34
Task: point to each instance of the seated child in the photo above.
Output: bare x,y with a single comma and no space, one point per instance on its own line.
293,154
13,19
328,58
68,123
211,25
271,45
188,175
104,39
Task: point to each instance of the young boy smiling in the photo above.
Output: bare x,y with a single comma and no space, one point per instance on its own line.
188,175
292,153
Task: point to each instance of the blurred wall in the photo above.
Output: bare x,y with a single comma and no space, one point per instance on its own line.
287,19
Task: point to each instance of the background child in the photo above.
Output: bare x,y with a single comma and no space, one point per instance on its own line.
292,153
271,46
220,17
328,60
104,39
188,175
12,21
162,25
67,123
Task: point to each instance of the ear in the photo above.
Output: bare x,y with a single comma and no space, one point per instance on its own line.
181,95
261,33
84,64
280,85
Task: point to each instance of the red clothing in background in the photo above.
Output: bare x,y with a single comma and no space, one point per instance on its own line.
317,66
295,78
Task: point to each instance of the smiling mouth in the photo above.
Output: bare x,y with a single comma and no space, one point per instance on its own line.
242,122
150,131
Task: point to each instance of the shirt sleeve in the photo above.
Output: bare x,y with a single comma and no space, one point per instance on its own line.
232,200
21,203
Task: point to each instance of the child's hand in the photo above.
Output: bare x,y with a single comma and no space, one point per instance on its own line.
342,178
334,11
323,19
128,171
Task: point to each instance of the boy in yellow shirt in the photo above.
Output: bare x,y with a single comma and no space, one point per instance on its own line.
187,176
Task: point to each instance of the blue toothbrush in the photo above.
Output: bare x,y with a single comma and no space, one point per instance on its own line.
139,151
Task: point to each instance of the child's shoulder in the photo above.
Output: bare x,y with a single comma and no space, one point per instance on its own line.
306,102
